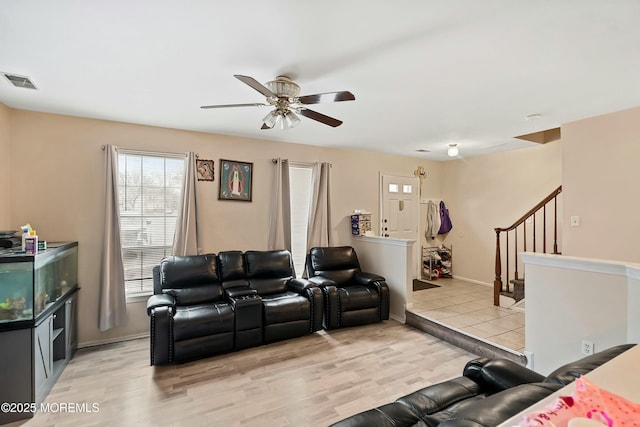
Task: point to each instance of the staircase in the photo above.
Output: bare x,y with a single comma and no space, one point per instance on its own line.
518,290
508,242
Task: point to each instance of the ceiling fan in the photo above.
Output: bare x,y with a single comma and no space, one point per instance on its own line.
283,95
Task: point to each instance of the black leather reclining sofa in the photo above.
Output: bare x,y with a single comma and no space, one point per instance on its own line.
489,392
208,304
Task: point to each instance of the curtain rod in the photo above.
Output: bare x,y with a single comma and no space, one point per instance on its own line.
274,161
150,153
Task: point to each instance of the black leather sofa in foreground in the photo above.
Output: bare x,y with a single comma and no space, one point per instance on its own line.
209,304
488,393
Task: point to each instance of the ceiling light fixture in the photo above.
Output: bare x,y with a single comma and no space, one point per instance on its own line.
271,119
453,150
291,119
283,119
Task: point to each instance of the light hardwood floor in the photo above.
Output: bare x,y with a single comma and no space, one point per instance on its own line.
309,381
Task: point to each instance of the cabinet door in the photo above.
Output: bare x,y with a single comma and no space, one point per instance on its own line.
15,371
42,355
71,326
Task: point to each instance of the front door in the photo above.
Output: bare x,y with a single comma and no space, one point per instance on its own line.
400,207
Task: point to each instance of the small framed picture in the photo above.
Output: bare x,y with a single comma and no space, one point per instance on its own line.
236,180
205,169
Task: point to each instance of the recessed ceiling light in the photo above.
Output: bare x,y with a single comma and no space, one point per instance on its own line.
535,116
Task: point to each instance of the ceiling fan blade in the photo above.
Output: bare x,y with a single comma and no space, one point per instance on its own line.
234,105
250,81
319,117
327,97
264,126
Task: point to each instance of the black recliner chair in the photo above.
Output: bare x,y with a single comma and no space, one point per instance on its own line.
352,297
190,317
292,307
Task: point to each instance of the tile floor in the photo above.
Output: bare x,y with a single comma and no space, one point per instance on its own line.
469,307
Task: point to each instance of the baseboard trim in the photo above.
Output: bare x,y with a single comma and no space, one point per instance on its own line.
477,282
398,318
113,340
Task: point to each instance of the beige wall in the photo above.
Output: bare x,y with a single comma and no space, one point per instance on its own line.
5,162
61,191
491,191
601,172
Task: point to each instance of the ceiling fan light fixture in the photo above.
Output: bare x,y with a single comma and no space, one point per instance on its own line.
271,119
291,119
283,87
453,150
283,95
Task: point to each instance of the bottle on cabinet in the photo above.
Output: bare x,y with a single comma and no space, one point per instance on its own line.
31,243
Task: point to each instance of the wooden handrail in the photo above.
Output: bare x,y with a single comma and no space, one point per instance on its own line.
498,284
531,211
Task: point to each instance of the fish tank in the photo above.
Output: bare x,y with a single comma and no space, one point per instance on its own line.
29,284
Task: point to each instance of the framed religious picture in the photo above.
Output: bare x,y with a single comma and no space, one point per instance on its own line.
204,169
236,180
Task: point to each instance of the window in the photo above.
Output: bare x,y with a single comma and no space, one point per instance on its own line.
300,193
149,187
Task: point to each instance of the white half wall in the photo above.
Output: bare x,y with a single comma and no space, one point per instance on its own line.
392,259
571,299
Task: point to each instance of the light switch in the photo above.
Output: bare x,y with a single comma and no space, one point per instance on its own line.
575,221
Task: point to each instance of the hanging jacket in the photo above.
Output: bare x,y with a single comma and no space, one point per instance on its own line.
433,221
445,221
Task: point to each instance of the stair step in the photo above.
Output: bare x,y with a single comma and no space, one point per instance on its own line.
475,345
518,290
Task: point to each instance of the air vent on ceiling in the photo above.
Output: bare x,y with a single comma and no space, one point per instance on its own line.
20,81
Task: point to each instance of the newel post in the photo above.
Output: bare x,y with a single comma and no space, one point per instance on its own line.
497,282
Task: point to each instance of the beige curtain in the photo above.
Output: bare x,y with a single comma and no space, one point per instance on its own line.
112,310
280,215
319,228
185,240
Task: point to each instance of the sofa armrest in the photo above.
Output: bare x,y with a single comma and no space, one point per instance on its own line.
495,375
161,300
367,278
300,285
161,324
322,281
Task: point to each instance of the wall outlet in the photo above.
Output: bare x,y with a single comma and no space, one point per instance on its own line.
587,347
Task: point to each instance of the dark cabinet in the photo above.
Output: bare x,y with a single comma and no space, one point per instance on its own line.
53,346
36,347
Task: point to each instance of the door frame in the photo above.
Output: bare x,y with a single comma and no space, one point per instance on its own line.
416,238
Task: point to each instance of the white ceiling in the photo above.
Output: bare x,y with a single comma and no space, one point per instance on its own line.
425,73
